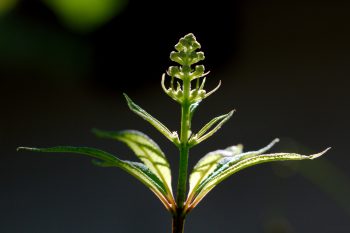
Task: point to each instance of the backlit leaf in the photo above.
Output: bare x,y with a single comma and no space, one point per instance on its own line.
172,136
219,165
208,164
214,125
146,150
138,170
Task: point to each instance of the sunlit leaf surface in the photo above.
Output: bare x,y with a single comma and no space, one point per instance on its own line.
219,165
212,126
146,150
172,136
208,164
138,170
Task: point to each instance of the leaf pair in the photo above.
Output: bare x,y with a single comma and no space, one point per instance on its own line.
172,136
212,126
219,165
154,172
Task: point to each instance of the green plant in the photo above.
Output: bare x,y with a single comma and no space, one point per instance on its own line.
186,86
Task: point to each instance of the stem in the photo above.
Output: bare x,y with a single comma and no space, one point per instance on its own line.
178,224
181,188
179,216
184,148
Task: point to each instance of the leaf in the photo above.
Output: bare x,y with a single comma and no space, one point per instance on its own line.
193,108
146,150
208,163
172,136
219,165
138,170
217,122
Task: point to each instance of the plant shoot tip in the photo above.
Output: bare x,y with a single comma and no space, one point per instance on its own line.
314,156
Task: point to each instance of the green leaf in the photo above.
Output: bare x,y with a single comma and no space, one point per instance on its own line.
193,108
172,136
217,122
146,150
219,165
138,170
208,163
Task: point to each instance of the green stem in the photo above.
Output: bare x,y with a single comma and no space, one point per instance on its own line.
184,147
182,181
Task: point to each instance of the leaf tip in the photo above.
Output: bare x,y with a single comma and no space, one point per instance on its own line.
315,156
276,140
22,148
128,100
132,106
231,112
214,90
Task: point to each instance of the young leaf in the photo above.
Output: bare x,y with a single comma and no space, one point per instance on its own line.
193,108
224,163
138,170
208,163
146,150
172,136
203,135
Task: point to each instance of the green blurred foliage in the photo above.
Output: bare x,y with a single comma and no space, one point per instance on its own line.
78,15
46,48
85,15
6,6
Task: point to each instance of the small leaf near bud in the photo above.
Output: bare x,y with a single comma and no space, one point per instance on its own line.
179,47
175,56
190,38
187,44
199,57
196,45
174,71
199,69
197,73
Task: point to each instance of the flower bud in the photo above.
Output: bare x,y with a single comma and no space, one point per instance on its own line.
174,71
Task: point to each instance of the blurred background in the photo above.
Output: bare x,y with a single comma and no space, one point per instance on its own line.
64,64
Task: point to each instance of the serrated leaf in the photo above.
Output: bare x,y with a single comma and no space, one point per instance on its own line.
172,136
138,170
221,164
146,150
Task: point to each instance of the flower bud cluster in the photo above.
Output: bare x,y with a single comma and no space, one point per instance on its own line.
186,56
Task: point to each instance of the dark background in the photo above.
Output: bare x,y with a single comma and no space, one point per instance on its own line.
285,68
